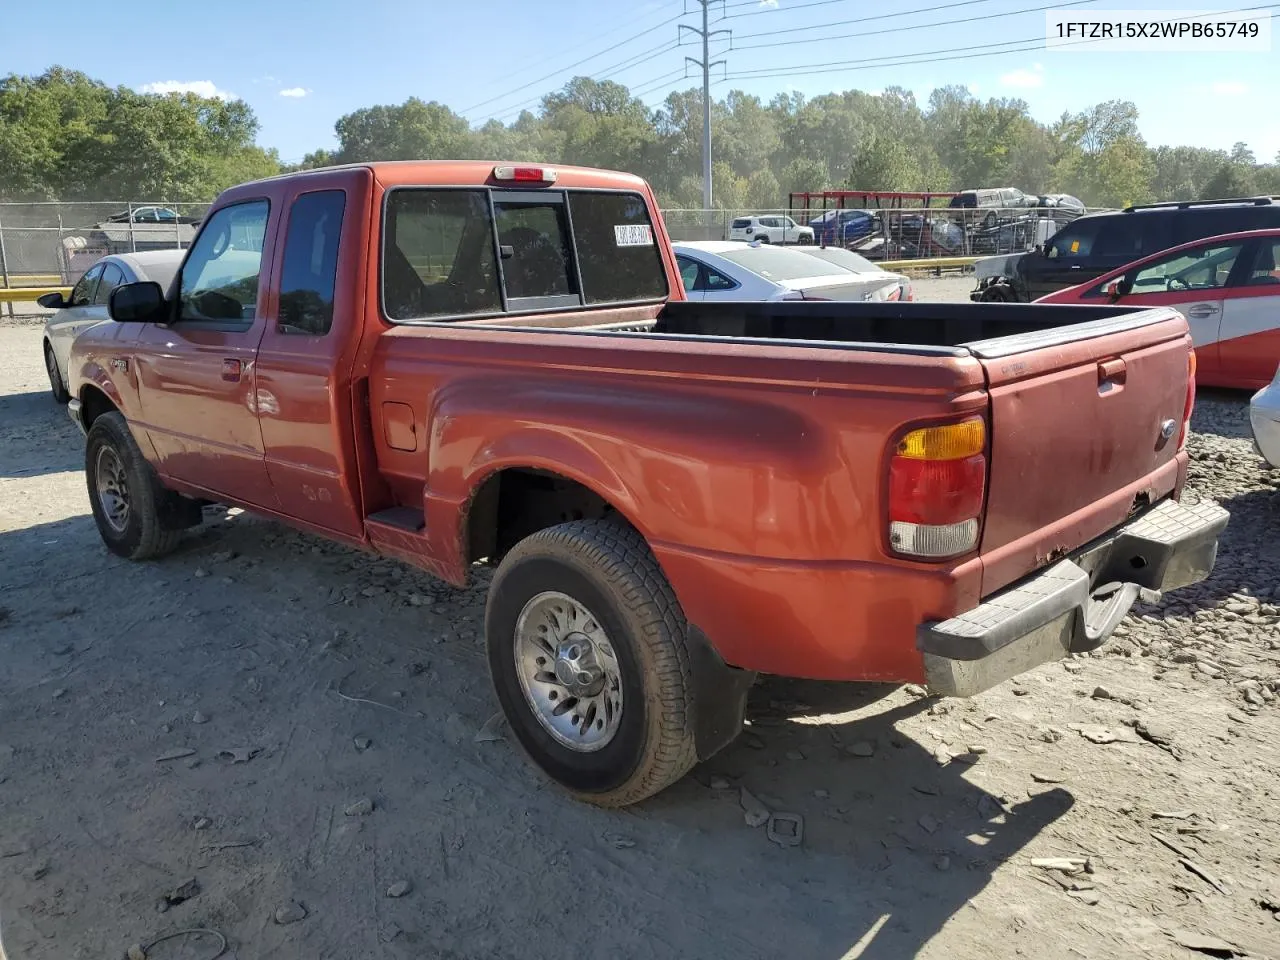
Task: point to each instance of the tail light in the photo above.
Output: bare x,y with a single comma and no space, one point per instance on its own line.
937,486
1191,398
525,174
895,293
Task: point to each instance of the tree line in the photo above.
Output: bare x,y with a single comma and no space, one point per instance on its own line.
66,136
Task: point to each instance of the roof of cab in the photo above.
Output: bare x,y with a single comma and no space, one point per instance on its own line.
397,173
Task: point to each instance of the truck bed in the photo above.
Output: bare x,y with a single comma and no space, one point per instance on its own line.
953,329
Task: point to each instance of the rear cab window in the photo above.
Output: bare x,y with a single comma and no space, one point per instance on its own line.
455,253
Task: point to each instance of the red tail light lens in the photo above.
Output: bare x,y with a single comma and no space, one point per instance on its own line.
937,486
1191,398
525,174
895,293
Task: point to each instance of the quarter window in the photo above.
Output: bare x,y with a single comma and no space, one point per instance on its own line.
112,277
220,276
310,268
82,292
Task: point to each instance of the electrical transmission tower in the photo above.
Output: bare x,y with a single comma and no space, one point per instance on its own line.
706,33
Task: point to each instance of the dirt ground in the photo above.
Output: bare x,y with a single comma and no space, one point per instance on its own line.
290,681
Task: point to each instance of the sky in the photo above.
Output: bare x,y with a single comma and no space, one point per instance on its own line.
303,65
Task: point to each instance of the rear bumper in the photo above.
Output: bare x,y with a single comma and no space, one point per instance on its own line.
1074,605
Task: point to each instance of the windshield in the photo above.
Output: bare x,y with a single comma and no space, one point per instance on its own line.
774,263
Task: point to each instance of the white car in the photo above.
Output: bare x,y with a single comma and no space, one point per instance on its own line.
1264,416
88,304
887,285
770,229
725,270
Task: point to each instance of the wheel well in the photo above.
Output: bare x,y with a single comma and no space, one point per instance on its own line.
93,404
516,502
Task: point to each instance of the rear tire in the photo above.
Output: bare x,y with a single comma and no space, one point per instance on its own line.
135,514
581,620
997,294
59,389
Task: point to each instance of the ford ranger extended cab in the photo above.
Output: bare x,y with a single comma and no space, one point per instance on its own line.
456,363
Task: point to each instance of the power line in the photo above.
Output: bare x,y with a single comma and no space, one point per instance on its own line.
838,23
985,50
554,73
883,30
520,107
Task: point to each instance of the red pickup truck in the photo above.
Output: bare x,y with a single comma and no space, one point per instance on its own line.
455,363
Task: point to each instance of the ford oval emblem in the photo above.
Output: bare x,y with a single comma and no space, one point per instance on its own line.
1166,428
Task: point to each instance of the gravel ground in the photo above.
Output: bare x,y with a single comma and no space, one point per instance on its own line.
293,726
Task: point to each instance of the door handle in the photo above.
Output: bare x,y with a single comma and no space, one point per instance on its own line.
231,371
1111,373
1075,266
1202,310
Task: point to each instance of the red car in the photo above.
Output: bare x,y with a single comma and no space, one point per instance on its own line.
1228,288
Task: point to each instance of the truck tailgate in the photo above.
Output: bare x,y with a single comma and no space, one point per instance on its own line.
1085,424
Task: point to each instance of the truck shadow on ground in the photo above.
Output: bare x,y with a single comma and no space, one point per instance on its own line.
38,436
899,838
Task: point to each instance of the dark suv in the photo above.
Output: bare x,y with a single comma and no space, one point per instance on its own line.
1092,245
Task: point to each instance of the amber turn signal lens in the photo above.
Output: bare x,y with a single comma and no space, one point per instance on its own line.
953,441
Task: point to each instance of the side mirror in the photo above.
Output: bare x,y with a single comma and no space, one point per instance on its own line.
137,303
53,301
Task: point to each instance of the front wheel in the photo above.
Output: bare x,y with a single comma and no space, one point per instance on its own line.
805,240
587,650
135,514
58,388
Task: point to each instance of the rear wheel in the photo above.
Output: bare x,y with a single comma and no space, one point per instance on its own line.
59,389
137,517
999,293
587,649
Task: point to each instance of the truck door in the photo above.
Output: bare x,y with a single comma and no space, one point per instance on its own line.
196,372
304,388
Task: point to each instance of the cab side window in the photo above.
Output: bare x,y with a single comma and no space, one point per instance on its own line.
220,277
83,292
1073,242
309,272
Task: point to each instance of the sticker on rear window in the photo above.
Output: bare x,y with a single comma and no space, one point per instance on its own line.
633,235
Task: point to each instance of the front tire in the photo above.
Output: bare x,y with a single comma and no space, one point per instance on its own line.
58,388
132,509
588,654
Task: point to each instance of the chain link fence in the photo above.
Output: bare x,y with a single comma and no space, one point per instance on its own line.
52,244
883,234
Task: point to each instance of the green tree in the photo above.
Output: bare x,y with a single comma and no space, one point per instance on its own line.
66,136
414,130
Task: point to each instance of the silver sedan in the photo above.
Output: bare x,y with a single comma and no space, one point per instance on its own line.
88,304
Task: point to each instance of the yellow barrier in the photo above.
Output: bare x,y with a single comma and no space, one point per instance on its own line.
930,263
31,280
30,294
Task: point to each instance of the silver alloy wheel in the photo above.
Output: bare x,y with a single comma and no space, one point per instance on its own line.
568,671
113,489
51,365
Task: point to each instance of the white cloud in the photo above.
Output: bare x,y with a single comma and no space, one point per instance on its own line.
1024,79
1229,88
294,92
769,3
974,88
201,88
267,79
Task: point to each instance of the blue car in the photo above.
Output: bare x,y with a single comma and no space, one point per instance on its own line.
839,228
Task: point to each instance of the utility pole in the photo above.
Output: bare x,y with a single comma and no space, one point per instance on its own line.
706,33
